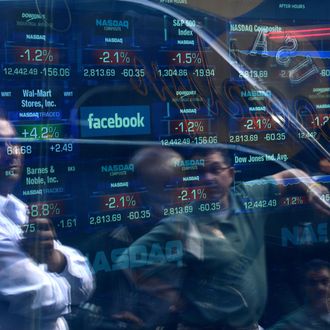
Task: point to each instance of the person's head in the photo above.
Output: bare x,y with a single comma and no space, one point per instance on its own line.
157,168
11,160
317,284
217,174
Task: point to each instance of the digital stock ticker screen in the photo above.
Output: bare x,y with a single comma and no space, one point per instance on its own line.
88,84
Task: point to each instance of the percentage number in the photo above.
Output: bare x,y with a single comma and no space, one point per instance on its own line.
190,126
186,58
293,200
38,55
44,209
114,57
258,123
125,201
40,132
191,194
320,120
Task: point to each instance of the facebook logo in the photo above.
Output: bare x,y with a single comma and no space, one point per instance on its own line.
115,120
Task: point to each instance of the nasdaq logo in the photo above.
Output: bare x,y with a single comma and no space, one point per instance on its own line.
305,234
138,256
115,120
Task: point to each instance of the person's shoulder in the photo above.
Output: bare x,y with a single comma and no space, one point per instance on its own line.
266,180
174,219
293,321
267,183
173,223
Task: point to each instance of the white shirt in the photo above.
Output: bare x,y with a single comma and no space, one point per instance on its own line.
30,297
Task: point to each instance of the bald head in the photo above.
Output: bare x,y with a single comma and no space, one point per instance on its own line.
11,160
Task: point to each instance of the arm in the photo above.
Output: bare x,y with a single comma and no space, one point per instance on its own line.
314,191
68,263
27,288
77,272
